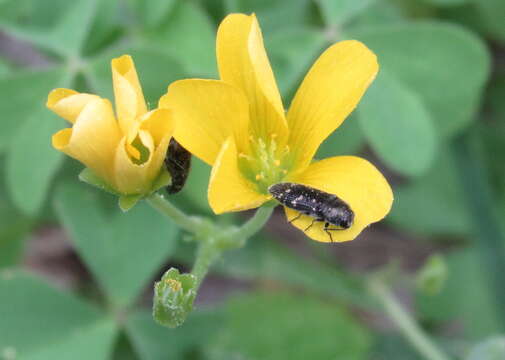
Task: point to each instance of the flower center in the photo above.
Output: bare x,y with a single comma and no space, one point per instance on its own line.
138,152
266,164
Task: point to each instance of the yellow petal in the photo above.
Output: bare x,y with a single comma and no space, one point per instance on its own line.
355,181
159,124
330,91
130,102
243,62
68,103
132,178
93,138
228,189
206,113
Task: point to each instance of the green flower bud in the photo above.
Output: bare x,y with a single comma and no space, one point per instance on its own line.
173,298
432,276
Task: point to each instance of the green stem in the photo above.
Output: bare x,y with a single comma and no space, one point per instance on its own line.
411,330
215,244
205,257
188,223
255,223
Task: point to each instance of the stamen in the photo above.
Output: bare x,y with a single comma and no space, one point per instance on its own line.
245,156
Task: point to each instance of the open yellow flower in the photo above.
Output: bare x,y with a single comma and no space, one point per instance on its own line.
126,152
239,126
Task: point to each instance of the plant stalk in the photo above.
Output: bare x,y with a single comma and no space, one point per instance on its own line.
188,223
410,329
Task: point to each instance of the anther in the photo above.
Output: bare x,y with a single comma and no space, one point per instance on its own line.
245,156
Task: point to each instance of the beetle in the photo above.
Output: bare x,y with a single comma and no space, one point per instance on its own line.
178,164
318,204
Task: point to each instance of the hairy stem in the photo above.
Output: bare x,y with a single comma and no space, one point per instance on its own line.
188,223
410,329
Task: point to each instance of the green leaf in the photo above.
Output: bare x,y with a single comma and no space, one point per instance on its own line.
32,162
446,2
398,125
292,52
273,15
380,12
156,70
123,250
155,342
40,322
4,69
153,12
339,12
474,308
267,326
65,34
31,89
107,27
196,49
492,13
14,228
490,349
433,203
346,140
444,65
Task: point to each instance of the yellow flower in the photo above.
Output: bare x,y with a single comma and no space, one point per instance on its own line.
239,126
126,152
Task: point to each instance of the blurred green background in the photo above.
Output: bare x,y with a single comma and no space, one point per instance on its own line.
76,275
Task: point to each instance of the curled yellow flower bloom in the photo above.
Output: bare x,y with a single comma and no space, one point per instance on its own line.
239,126
126,151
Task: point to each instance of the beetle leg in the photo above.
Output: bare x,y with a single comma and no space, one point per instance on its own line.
312,223
295,218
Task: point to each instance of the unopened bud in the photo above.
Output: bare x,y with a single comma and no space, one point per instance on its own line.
432,276
173,298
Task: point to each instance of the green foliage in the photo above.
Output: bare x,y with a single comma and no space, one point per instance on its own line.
413,99
32,162
319,330
490,349
154,342
466,299
122,250
434,57
40,322
433,203
337,13
390,109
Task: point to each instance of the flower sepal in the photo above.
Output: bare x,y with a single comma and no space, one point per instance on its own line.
173,298
90,178
126,201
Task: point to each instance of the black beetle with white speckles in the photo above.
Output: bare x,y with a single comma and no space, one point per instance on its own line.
322,206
